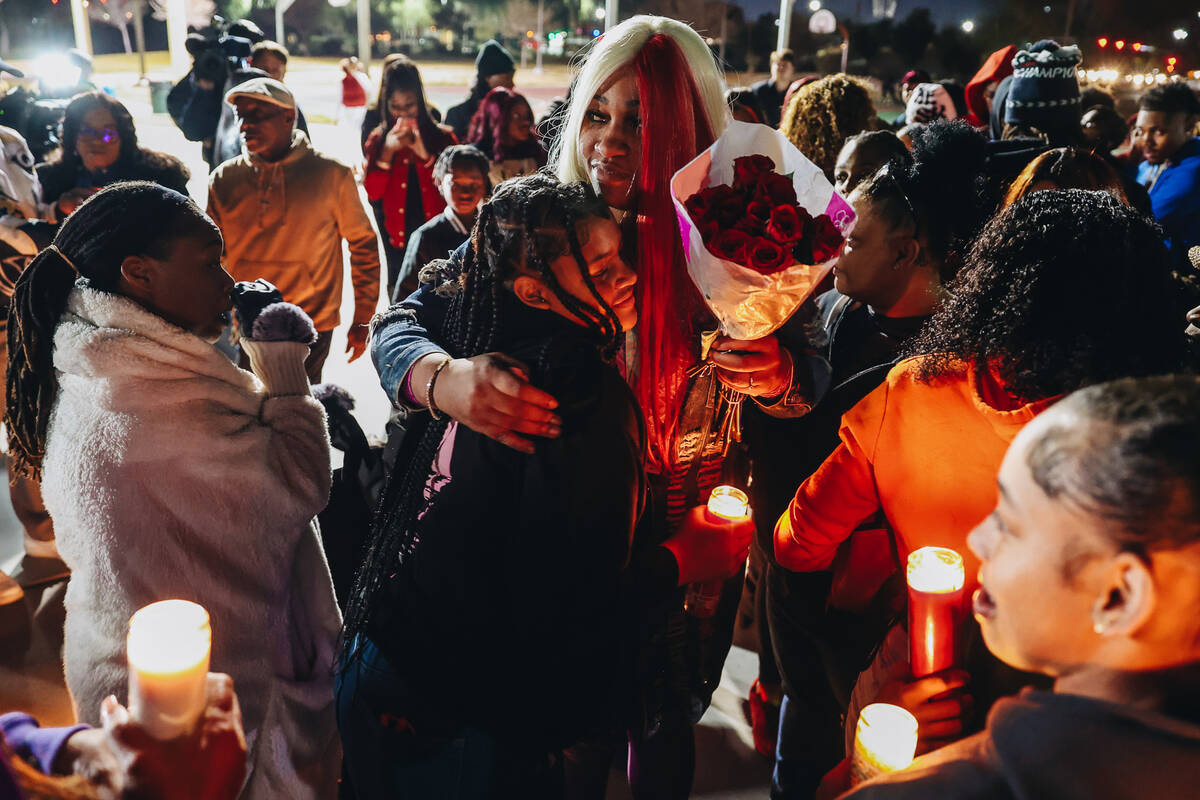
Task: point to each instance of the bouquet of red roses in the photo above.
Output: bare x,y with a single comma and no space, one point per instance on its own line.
760,226
759,223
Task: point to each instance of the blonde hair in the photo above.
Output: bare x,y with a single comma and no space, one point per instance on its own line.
618,48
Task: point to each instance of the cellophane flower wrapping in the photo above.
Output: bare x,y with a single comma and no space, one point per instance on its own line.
751,302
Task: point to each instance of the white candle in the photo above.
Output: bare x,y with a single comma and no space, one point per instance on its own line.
168,649
884,741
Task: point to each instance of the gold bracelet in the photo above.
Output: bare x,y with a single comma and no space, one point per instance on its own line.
434,411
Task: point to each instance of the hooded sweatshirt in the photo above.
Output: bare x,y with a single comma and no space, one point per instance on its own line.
997,67
171,473
925,454
285,221
1061,746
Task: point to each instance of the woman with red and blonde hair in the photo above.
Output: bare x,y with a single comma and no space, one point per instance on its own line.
648,99
503,129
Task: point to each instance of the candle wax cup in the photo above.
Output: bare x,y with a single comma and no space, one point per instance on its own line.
727,504
885,740
168,651
935,597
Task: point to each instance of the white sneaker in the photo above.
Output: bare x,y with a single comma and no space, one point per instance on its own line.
10,590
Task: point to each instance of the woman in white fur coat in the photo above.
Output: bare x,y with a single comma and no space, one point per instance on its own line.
169,472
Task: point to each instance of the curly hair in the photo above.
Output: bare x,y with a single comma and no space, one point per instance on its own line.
528,223
1063,289
1067,168
938,190
823,114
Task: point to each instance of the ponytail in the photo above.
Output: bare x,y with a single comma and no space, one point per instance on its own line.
38,301
125,219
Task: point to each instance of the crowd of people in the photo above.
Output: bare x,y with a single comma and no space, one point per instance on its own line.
999,362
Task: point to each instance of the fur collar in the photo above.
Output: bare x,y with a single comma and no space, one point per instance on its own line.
106,335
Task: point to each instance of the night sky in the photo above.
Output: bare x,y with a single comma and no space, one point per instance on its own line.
944,11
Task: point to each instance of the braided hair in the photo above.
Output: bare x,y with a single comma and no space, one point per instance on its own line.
528,223
122,220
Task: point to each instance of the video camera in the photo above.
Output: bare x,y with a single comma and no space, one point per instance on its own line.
222,47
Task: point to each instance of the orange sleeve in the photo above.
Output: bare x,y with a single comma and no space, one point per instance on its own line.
839,496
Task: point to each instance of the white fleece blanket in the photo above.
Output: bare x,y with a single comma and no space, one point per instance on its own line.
169,472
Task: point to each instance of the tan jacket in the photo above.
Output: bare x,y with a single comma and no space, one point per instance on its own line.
285,221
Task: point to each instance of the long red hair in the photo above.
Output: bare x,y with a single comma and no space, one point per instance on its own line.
675,129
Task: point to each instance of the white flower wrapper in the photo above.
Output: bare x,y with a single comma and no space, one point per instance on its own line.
747,303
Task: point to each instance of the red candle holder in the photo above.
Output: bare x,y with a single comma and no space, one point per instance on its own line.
935,596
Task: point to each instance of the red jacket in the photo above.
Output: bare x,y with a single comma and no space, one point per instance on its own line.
391,186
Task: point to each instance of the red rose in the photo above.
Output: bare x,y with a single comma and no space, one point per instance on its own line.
826,239
711,202
785,225
730,245
760,210
748,169
766,256
749,226
697,207
708,229
777,190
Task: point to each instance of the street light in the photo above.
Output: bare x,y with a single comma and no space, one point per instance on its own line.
1180,34
815,5
968,25
599,13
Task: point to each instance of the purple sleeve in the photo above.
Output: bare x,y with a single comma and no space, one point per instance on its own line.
22,733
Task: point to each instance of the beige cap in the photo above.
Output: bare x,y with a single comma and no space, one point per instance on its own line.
268,90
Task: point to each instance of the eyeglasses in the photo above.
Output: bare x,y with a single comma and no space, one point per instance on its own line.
105,135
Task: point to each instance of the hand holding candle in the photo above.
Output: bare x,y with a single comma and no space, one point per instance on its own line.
935,599
885,740
726,515
168,649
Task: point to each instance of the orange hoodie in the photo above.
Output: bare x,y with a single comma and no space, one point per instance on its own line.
925,454
997,67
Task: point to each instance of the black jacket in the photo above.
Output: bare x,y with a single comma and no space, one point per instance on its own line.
1062,746
513,600
437,238
59,177
459,116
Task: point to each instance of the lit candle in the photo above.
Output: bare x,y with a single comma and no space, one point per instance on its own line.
727,506
168,649
885,740
935,596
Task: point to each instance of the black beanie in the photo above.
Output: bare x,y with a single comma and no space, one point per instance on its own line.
493,59
1045,88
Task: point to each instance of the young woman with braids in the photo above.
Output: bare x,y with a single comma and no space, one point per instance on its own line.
648,99
171,473
492,574
1063,289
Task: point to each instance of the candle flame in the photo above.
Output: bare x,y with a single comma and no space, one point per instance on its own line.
886,736
936,570
169,636
729,502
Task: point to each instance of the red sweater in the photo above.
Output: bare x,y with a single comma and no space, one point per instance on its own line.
927,455
391,185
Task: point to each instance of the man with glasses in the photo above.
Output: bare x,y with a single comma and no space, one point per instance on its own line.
284,210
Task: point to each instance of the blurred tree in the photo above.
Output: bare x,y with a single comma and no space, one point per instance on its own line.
913,35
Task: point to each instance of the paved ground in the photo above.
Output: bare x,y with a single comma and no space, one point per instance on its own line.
727,767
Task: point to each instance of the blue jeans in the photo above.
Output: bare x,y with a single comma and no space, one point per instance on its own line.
386,756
